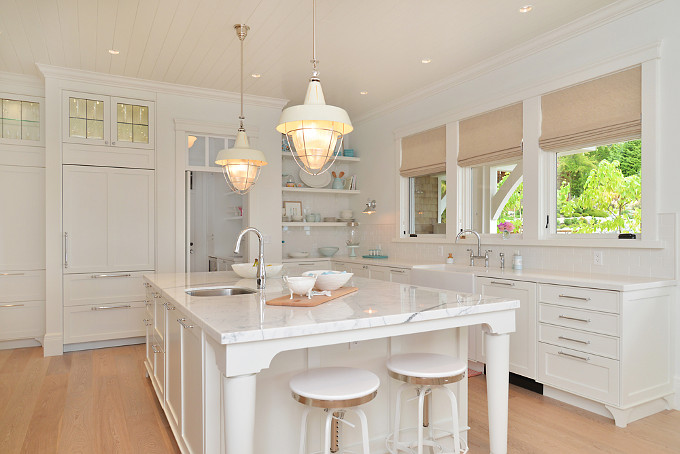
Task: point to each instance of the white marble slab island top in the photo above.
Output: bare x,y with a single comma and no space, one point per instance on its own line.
242,318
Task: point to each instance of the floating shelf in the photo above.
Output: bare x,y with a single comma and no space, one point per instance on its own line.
314,224
321,191
339,158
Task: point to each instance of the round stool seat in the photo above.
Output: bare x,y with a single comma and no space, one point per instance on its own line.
426,368
334,387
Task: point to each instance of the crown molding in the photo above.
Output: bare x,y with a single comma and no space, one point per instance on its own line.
22,84
545,41
79,75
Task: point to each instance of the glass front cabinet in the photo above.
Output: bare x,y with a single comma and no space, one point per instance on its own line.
109,121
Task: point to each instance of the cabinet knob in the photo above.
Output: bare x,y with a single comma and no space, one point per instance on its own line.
113,143
106,142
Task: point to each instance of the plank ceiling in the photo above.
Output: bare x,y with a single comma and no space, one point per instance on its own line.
371,45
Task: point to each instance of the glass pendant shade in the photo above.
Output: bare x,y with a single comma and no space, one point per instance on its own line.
241,164
314,130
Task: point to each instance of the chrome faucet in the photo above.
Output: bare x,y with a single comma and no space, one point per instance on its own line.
260,255
479,248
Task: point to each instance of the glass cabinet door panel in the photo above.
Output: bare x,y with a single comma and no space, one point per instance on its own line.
124,114
95,129
11,129
30,111
140,133
124,132
140,115
77,108
30,130
77,127
11,110
95,110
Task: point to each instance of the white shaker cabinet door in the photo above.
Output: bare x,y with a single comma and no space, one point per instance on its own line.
22,218
108,219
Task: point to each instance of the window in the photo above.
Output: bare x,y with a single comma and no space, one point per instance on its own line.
202,150
598,189
20,120
427,211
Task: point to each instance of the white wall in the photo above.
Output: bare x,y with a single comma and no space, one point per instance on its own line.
374,140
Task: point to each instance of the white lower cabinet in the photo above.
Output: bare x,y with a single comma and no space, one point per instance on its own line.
523,340
173,346
380,272
192,385
22,320
297,268
96,322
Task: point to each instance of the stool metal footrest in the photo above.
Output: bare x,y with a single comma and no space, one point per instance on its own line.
439,445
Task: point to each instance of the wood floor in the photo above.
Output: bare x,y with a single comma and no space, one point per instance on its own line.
99,401
90,402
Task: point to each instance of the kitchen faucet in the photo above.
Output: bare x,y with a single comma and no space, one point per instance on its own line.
260,255
479,248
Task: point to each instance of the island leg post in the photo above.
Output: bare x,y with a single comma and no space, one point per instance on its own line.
238,413
497,375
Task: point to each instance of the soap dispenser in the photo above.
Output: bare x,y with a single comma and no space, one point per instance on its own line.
449,259
517,261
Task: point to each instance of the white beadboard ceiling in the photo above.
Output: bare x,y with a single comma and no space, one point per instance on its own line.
371,45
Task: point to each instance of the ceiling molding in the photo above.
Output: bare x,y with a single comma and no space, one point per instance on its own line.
208,128
78,75
22,84
550,39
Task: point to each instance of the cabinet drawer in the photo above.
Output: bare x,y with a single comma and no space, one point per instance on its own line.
596,344
580,373
103,288
22,286
595,322
584,298
22,320
103,321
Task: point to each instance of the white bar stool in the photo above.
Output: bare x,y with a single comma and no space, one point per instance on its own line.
336,390
425,372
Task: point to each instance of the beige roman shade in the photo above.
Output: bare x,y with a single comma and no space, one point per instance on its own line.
491,137
598,112
424,153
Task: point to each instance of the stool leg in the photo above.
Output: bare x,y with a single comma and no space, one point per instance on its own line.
327,432
454,416
421,405
364,429
397,417
303,431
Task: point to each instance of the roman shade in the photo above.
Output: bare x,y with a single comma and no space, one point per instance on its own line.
491,137
424,153
598,112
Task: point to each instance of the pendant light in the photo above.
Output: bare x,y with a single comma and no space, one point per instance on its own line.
241,164
314,130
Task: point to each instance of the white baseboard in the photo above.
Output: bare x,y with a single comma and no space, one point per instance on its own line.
676,390
53,344
104,344
577,401
19,343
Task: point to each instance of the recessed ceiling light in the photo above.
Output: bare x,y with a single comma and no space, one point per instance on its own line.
526,8
425,61
256,75
363,92
114,51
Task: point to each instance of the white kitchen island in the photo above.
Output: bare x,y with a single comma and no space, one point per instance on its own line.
240,337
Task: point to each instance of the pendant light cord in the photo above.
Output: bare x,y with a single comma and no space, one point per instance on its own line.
241,32
315,73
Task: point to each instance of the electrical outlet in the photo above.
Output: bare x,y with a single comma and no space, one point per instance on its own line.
598,258
440,251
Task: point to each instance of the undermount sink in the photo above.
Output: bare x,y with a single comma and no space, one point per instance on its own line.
444,276
219,291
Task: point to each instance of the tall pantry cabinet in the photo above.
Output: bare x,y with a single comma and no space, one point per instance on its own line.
107,215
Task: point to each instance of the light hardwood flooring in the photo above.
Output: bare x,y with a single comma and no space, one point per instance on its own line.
90,402
99,401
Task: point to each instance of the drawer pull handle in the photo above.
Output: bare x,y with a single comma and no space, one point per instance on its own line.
582,358
156,349
584,320
11,305
398,271
12,274
580,298
184,325
66,250
170,307
156,295
97,276
574,340
103,308
147,322
507,284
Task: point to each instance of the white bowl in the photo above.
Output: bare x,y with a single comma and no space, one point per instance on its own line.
331,281
249,271
298,255
300,285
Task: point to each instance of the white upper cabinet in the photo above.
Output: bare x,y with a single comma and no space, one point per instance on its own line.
22,218
108,131
108,219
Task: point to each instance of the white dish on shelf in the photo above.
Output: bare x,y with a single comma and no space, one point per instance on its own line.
315,181
345,220
298,255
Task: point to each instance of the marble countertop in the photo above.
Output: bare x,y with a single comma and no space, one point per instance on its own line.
242,318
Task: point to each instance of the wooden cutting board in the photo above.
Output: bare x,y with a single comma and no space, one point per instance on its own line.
303,301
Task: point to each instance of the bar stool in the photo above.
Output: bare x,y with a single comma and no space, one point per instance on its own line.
425,372
336,390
